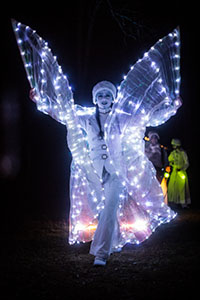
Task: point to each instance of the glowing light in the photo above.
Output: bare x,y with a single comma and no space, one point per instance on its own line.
43,54
177,102
139,225
83,227
182,175
62,108
148,203
166,175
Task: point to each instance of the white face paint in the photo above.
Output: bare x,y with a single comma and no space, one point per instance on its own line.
104,99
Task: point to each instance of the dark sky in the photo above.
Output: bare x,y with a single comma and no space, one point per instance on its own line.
93,40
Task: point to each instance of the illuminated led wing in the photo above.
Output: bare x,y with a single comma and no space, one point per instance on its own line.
55,96
150,91
43,72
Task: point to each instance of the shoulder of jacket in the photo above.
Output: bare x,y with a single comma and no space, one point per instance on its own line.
85,112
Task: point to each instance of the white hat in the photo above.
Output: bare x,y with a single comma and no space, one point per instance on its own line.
101,86
153,133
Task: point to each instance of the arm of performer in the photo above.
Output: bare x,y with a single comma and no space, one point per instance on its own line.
54,110
33,95
78,112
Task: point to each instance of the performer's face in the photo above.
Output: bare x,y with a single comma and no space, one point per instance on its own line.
154,140
175,147
104,99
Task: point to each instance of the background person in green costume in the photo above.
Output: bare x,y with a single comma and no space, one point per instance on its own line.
178,188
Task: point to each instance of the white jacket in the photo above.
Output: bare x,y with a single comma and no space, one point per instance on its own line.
98,148
148,96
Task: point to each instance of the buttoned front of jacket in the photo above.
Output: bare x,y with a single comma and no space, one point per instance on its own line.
99,153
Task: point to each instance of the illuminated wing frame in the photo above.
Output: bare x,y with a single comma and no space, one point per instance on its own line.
53,91
150,92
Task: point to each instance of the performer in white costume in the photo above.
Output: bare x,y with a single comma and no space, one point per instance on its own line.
115,197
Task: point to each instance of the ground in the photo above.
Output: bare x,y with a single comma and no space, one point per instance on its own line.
37,263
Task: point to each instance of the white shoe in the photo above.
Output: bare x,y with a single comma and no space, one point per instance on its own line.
99,262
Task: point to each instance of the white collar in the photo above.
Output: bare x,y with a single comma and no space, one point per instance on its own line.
105,111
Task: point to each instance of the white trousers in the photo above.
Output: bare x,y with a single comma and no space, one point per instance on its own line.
107,235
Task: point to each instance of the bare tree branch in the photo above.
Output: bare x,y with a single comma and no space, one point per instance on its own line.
129,23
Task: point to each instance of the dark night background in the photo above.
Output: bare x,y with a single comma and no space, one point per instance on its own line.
93,40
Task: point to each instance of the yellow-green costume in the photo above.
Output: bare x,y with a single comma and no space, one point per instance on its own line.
178,188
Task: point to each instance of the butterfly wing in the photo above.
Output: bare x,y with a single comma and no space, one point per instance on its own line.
150,90
43,72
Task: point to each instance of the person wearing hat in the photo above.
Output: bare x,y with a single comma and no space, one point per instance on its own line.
115,197
105,237
178,188
156,154
104,175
